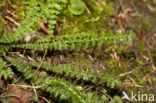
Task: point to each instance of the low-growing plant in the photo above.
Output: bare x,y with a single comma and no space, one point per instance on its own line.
57,86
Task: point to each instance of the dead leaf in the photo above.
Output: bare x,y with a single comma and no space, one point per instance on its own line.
11,8
129,14
149,81
144,57
121,20
154,68
140,36
43,26
15,94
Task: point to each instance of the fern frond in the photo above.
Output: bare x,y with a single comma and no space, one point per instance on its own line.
69,71
78,41
35,10
116,99
11,37
6,72
30,20
55,86
3,49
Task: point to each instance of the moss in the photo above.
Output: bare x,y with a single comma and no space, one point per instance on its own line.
139,62
137,24
147,25
113,67
80,60
142,81
140,46
98,20
142,25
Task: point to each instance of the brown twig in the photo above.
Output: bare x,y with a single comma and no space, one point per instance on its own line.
44,99
15,16
12,20
127,73
87,9
134,83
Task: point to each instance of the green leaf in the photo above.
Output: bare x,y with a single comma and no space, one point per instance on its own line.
76,7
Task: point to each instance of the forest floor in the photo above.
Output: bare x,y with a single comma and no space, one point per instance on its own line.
135,65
